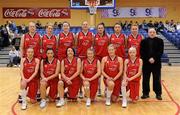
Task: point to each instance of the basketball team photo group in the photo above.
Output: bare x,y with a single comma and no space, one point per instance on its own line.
89,57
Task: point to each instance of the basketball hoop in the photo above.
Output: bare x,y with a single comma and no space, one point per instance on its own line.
92,6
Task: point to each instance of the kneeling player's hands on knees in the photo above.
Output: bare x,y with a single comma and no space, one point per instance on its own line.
110,79
44,80
124,83
66,79
25,80
69,82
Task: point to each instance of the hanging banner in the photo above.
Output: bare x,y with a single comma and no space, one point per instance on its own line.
36,12
134,12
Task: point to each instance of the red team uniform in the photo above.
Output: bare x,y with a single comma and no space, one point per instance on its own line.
111,68
34,42
65,41
89,70
70,69
28,70
135,42
48,42
132,69
119,43
50,69
85,41
101,44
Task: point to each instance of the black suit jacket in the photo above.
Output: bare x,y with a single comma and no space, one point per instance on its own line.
157,51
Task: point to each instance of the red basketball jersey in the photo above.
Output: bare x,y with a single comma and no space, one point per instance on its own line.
29,68
70,67
101,44
89,69
119,43
84,42
34,42
111,67
48,42
49,68
65,41
135,42
132,68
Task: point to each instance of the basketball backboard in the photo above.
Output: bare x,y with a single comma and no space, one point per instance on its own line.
80,4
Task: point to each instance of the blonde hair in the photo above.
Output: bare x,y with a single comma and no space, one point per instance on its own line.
49,24
132,48
91,49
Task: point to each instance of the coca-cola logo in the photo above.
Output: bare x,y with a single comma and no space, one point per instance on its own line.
15,13
52,13
36,12
48,13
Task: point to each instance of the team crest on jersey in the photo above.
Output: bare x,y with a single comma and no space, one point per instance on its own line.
102,42
117,45
67,44
81,37
61,38
96,38
45,65
85,43
44,40
27,39
90,70
112,38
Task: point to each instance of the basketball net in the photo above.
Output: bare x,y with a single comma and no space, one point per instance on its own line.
92,7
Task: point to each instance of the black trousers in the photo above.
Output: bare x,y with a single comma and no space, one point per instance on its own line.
156,73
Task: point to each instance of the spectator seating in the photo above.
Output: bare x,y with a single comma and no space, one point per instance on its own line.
173,37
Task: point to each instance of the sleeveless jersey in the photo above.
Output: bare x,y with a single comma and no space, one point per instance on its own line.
111,67
34,42
65,41
101,44
119,43
132,68
48,43
84,42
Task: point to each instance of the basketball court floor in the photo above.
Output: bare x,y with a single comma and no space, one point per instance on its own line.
170,105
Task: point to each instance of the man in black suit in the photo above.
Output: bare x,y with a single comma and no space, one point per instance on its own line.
151,50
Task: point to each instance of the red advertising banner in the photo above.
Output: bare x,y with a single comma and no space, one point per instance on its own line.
10,12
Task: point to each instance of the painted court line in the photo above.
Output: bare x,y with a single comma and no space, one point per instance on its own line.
13,108
174,101
163,84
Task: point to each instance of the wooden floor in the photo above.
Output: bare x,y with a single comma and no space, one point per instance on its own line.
9,87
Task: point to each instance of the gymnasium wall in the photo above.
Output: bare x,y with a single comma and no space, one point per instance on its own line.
77,16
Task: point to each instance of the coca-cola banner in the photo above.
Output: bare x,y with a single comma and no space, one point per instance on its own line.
36,13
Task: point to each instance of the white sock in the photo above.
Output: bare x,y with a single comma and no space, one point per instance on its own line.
123,91
23,94
109,93
88,99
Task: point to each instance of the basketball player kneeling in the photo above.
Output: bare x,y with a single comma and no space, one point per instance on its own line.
29,79
132,75
112,68
90,72
50,68
70,81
